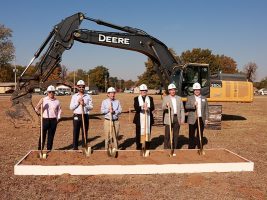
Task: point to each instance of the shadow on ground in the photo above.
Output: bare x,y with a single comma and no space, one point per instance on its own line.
80,143
226,117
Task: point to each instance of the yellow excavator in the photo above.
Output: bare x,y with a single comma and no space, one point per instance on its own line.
230,88
169,70
223,88
227,88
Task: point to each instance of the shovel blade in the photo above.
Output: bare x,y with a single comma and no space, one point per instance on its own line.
172,154
147,153
201,152
87,151
42,155
112,152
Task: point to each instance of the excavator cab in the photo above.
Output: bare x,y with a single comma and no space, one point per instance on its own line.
185,76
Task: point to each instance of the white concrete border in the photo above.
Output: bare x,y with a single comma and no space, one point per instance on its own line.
132,169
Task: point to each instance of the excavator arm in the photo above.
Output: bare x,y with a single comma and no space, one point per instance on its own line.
62,37
144,44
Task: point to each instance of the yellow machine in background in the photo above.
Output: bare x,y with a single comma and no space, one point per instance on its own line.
220,87
217,88
230,88
227,88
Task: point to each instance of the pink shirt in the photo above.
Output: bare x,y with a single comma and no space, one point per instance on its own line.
51,108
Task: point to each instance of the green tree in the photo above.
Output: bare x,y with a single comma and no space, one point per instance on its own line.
6,73
227,64
6,54
113,82
217,62
129,84
150,76
98,76
6,46
80,74
198,55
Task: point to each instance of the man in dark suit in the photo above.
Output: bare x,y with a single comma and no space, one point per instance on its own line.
200,103
143,119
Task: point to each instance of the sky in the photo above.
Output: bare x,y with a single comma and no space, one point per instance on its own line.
235,28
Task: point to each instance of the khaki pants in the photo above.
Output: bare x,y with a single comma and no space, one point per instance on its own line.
115,127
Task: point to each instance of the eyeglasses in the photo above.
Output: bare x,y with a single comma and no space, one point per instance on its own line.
81,86
51,92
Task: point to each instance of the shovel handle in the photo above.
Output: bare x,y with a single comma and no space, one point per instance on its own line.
170,125
146,135
84,134
110,123
198,126
112,130
41,126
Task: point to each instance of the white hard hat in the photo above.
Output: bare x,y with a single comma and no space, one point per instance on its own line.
171,86
51,88
143,87
111,89
80,82
196,86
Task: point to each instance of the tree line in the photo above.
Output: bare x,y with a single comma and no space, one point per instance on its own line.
99,76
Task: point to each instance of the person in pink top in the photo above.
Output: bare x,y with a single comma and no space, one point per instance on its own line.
51,115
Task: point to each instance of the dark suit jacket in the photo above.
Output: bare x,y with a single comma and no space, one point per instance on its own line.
190,106
138,109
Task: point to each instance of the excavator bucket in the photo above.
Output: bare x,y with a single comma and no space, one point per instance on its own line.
22,113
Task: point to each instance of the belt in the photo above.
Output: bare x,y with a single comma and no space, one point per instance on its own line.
79,114
112,120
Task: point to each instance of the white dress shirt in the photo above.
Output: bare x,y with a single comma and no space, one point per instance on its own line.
198,100
75,105
174,105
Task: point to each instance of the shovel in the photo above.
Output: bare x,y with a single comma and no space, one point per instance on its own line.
200,151
111,151
41,154
87,149
171,133
145,152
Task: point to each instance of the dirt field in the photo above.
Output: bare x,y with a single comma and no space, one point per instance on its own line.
244,132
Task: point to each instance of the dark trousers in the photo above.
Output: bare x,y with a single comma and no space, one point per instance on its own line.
77,125
138,135
192,134
50,126
175,129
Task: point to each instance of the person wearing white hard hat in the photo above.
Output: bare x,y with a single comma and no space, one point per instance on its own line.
111,107
173,103
196,104
51,115
80,104
143,105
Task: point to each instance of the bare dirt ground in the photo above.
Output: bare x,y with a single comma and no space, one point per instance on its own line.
244,132
131,157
